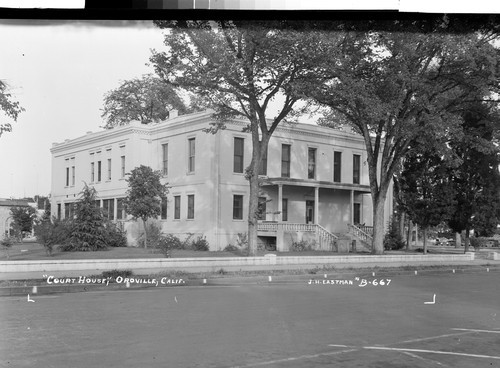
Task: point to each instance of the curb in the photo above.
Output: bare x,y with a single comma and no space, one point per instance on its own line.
268,279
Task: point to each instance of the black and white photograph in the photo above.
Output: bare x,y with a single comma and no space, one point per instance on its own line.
223,184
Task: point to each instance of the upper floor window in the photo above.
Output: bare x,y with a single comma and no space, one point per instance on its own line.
164,149
237,207
67,176
191,154
337,166
311,163
356,169
92,171
285,160
190,214
263,164
122,171
109,169
73,175
238,155
98,171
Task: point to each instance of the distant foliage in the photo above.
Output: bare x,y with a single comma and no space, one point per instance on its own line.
8,107
23,220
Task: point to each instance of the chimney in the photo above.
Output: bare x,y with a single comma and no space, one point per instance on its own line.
173,114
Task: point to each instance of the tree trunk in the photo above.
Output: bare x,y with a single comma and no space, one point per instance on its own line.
408,235
467,240
402,220
145,234
378,225
424,234
458,240
252,214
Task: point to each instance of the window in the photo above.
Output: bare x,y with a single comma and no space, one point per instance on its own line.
261,212
122,166
285,160
109,169
237,207
165,158
191,148
73,175
337,166
311,163
357,213
284,209
356,168
67,176
92,167
69,210
98,171
108,206
263,164
120,209
190,214
58,211
177,207
164,209
238,155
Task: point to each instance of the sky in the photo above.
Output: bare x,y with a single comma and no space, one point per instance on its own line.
59,72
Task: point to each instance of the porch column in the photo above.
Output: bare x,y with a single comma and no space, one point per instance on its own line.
280,202
316,205
352,207
280,246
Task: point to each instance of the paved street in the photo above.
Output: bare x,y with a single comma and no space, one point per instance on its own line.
267,325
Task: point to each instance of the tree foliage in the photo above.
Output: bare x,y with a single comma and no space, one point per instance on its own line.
51,232
147,99
145,194
22,220
10,108
477,181
88,228
237,68
393,85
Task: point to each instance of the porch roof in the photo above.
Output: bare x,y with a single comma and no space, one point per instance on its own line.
265,181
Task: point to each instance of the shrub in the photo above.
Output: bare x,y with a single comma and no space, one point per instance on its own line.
113,274
6,243
393,239
300,246
173,242
114,236
231,248
200,244
52,233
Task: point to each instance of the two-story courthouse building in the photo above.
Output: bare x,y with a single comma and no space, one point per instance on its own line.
314,179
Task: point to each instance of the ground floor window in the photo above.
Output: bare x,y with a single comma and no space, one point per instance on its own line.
120,209
177,207
284,209
164,210
108,206
237,207
190,214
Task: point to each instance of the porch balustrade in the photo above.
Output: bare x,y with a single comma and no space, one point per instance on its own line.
325,239
364,233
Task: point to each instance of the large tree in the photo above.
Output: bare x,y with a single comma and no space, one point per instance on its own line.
239,68
145,195
391,85
477,180
9,107
147,99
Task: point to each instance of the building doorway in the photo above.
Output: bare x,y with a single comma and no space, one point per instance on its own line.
309,212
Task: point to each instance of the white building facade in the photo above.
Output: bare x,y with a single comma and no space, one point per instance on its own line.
314,179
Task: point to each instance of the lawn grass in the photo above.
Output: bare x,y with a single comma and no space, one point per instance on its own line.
32,251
